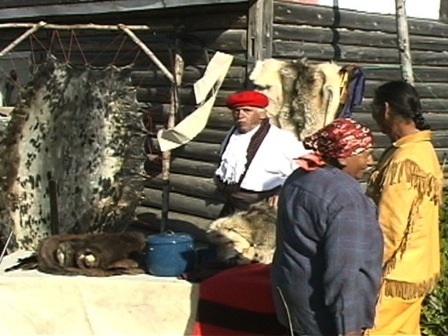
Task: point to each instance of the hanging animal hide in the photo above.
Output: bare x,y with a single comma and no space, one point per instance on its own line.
245,236
81,128
303,97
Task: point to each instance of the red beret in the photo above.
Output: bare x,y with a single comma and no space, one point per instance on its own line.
247,98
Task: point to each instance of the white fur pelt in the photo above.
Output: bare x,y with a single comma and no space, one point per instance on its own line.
246,236
303,97
81,128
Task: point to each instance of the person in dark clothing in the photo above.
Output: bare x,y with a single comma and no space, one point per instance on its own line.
327,264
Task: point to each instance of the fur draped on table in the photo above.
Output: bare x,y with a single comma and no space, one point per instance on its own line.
303,97
81,128
246,236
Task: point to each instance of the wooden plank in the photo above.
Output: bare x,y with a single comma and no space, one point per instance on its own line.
183,204
149,218
354,37
295,13
347,53
260,29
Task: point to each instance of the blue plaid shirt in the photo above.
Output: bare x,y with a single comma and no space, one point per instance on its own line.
329,249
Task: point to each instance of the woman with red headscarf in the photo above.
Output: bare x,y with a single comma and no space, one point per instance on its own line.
327,264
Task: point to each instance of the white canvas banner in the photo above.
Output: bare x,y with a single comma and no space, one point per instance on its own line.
194,123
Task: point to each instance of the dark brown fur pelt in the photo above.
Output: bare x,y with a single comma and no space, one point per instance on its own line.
93,254
247,236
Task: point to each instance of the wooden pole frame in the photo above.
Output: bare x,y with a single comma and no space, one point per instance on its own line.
33,27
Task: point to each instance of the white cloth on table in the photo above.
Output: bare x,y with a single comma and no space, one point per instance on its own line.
35,303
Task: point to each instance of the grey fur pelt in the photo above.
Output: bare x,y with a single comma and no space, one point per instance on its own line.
246,236
80,127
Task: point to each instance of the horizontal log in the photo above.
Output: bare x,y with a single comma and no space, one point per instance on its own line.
137,58
425,90
192,167
235,78
200,151
153,166
186,95
343,36
347,53
388,72
183,204
229,39
294,13
220,117
195,186
436,105
150,218
438,122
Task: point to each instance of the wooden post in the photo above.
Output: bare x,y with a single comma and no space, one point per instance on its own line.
260,27
443,10
166,156
403,41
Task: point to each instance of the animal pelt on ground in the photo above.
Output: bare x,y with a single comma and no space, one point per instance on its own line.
92,254
246,236
303,97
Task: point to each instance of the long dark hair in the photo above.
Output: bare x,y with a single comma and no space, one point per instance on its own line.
404,100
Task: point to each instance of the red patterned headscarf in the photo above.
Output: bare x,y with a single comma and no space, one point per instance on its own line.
340,139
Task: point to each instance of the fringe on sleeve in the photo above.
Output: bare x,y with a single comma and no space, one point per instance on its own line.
407,171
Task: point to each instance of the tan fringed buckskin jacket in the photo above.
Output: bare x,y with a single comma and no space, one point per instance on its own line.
407,187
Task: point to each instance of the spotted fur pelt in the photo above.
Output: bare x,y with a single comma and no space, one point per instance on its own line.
304,97
246,236
80,127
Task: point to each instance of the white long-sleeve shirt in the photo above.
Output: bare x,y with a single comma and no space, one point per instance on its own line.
271,165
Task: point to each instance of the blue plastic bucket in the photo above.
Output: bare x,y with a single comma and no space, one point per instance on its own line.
169,253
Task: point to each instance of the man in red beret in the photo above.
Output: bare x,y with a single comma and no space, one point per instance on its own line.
256,157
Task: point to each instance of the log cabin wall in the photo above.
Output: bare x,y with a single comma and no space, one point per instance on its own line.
369,40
